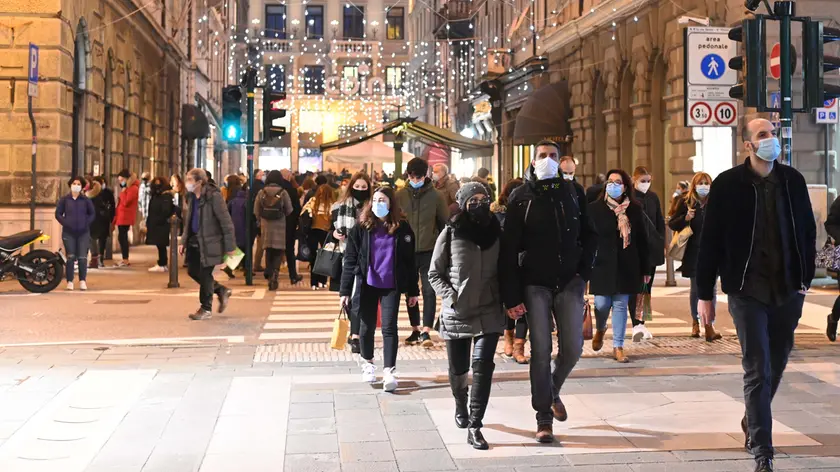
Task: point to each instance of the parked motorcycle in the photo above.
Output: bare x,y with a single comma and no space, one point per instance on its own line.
39,270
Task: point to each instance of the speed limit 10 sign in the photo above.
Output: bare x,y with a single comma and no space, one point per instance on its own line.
712,113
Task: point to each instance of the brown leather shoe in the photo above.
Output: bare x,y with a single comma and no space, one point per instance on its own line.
509,342
711,334
695,329
559,410
545,434
598,340
519,351
618,355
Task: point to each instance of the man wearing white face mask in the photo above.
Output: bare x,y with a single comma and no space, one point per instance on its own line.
568,166
759,235
548,248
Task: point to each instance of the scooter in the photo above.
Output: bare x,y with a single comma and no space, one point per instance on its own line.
39,270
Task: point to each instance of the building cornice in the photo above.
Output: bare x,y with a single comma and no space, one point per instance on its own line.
604,14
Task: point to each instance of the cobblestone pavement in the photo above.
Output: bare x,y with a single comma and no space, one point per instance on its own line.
213,409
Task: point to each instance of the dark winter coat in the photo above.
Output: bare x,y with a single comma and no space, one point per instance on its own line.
238,211
692,249
161,209
75,214
832,222
426,211
654,224
467,279
618,270
104,207
215,228
555,243
357,257
727,241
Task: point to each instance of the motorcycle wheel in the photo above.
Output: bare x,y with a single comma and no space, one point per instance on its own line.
48,271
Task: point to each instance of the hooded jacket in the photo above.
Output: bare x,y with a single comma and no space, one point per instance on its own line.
161,208
215,235
426,211
548,237
128,202
75,214
104,206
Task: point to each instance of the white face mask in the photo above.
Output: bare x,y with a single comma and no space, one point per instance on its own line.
569,176
643,186
190,186
546,168
76,188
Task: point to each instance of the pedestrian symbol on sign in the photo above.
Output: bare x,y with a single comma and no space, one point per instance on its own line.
713,66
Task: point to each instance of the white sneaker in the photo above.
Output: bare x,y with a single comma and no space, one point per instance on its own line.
70,286
648,334
638,333
82,285
389,379
157,268
368,372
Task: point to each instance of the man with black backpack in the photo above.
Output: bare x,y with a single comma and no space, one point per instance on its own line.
271,207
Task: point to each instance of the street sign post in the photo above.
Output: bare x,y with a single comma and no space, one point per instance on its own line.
709,77
829,114
33,92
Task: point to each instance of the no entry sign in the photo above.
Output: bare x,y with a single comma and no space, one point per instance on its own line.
776,61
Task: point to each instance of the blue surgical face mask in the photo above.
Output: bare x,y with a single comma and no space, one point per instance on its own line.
381,209
768,149
614,190
703,190
416,185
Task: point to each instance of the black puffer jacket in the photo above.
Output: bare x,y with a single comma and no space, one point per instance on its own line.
726,244
555,243
618,270
161,209
357,257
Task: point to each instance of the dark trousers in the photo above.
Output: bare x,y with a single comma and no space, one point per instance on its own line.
123,240
632,303
355,300
835,310
389,300
291,238
424,260
565,309
766,337
458,352
163,255
316,240
273,259
97,246
203,276
520,326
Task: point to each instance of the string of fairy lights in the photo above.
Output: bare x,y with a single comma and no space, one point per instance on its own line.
356,82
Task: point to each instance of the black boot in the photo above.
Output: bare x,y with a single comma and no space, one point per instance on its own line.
763,464
458,383
479,397
273,282
831,328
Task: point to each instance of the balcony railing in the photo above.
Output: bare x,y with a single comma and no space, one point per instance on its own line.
279,45
352,47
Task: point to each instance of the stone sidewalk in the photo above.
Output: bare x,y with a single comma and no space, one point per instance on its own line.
213,409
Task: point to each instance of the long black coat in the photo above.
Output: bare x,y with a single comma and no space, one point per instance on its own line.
104,206
654,228
618,270
161,207
692,249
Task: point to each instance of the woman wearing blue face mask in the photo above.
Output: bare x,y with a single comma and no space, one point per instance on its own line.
379,259
691,211
620,264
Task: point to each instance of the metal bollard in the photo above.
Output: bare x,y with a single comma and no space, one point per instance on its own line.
174,224
670,280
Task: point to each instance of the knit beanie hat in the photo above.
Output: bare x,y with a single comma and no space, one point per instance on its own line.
467,191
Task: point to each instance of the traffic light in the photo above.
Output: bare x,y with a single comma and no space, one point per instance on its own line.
272,101
753,35
817,63
232,114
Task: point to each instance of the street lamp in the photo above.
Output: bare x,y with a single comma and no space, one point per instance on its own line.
375,25
295,24
334,24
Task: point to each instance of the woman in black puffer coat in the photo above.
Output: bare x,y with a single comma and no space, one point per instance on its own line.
161,209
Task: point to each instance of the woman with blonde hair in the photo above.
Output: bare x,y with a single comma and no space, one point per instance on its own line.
690,212
316,220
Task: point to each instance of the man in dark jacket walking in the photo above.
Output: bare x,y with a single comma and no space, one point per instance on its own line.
208,236
426,212
759,235
290,186
548,247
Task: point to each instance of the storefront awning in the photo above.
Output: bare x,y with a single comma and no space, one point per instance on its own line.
365,152
424,132
545,115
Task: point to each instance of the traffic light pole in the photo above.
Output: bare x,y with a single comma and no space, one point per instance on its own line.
251,83
785,10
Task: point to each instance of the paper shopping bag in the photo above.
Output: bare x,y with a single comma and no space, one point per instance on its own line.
341,327
232,262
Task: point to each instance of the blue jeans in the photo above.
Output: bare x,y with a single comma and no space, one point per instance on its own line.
618,303
563,308
694,298
766,337
77,247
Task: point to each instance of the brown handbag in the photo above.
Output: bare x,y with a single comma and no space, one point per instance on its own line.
587,320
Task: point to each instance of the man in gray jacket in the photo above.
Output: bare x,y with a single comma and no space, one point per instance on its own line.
208,236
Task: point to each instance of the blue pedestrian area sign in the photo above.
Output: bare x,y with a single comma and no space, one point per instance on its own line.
712,66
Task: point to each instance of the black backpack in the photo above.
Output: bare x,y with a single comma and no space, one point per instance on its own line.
273,206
